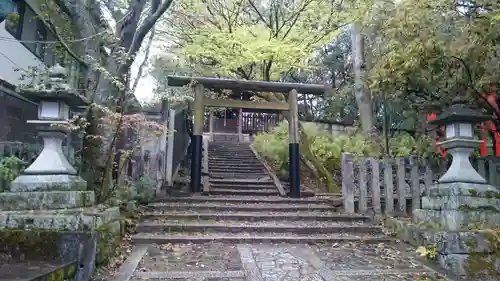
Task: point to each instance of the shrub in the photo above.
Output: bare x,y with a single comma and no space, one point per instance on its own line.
273,145
10,168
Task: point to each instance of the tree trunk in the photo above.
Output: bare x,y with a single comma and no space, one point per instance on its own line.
363,98
108,83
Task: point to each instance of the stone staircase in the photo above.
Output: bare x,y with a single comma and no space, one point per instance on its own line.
244,206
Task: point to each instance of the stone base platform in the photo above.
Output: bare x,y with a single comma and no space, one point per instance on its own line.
25,183
38,270
42,200
456,220
77,219
469,254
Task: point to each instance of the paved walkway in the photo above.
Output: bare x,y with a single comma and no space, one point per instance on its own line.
279,262
244,231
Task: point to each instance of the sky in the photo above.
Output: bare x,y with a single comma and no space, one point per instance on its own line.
144,90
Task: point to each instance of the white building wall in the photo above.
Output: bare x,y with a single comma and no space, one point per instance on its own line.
15,58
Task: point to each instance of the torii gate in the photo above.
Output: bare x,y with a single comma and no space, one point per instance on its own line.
199,85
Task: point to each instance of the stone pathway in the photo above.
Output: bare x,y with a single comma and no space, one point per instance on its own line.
280,262
244,231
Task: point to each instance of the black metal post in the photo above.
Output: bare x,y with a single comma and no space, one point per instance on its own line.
294,176
196,155
293,137
197,139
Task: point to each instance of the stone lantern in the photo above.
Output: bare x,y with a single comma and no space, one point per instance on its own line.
51,170
459,121
461,200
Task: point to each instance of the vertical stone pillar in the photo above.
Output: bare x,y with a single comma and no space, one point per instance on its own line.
211,121
197,139
240,124
294,155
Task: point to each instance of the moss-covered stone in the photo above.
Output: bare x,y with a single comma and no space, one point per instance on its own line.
38,244
473,253
11,201
484,263
109,238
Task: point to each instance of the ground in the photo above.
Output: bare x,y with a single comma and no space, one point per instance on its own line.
281,262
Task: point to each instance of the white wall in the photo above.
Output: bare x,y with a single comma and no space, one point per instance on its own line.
14,55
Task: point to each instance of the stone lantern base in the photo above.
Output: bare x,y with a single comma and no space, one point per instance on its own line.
50,200
456,219
26,183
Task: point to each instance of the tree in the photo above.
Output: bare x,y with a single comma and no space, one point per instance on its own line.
438,49
109,55
263,40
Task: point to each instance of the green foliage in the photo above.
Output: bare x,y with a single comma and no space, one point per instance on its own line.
273,145
142,190
427,252
10,168
245,39
425,56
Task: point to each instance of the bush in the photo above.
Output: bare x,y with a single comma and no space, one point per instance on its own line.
10,168
273,146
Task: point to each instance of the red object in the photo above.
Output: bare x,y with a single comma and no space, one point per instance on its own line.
486,127
439,135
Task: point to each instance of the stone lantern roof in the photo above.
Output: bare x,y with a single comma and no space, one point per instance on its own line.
459,112
55,88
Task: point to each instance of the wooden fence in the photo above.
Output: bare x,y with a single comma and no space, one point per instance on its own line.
394,186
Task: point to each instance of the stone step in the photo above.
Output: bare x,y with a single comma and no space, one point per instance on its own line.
147,238
230,149
258,216
265,181
236,163
43,200
257,173
236,176
236,171
243,186
228,145
233,159
244,192
230,155
310,227
250,199
236,168
241,207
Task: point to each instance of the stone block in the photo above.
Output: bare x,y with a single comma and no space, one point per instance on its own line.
52,246
455,202
477,267
81,219
38,200
455,220
25,183
473,254
446,242
463,189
